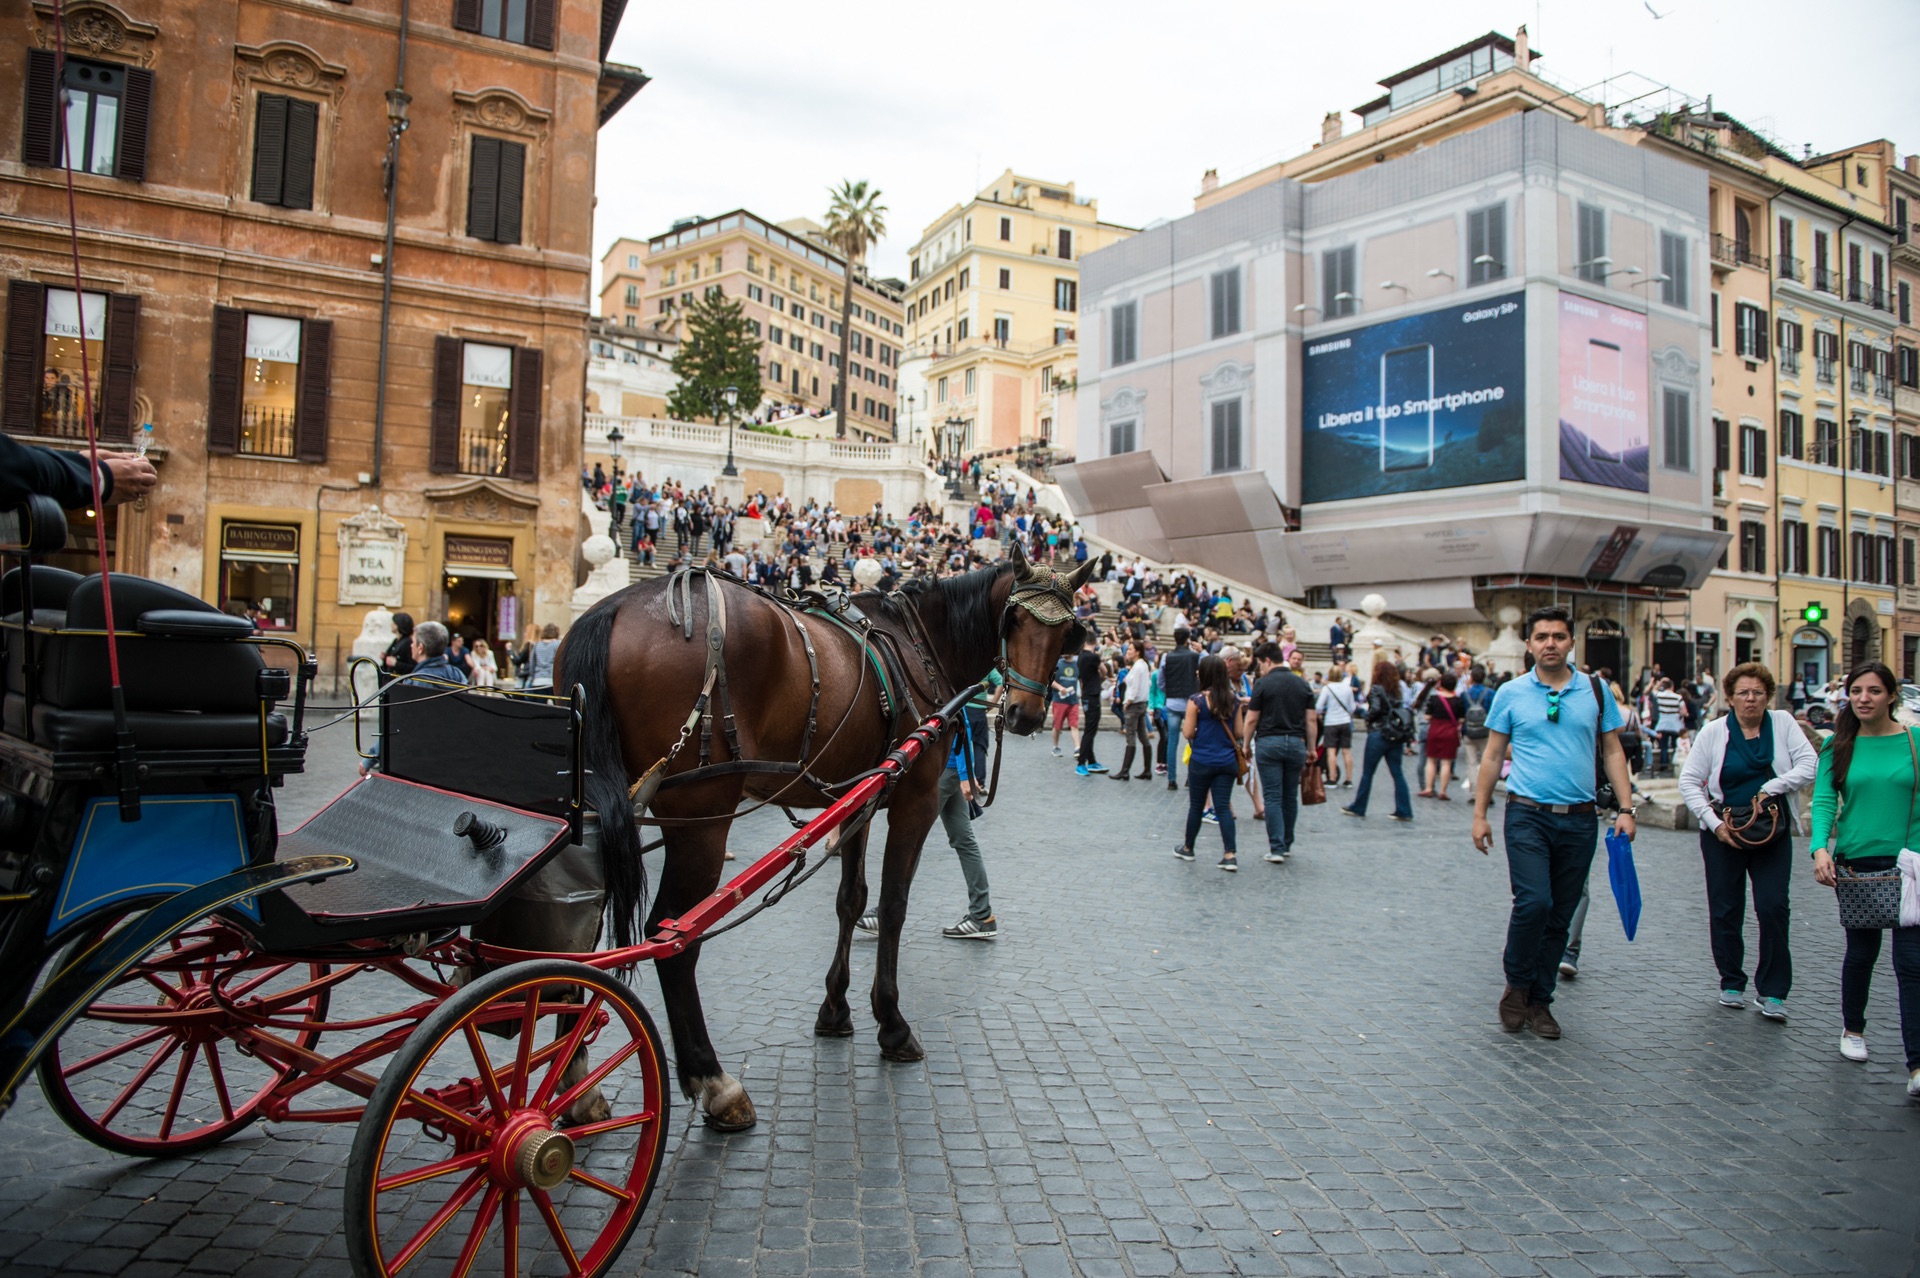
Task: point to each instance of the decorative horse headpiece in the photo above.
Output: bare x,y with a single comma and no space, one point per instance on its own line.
1045,592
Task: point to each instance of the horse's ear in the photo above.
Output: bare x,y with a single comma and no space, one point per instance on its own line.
1022,566
1080,575
1076,640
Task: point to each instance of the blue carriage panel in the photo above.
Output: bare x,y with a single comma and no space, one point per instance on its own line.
180,842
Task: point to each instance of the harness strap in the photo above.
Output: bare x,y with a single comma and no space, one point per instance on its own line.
813,674
716,653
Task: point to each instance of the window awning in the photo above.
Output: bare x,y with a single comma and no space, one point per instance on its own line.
490,571
258,557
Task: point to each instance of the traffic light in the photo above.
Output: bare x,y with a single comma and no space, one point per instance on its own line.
1814,613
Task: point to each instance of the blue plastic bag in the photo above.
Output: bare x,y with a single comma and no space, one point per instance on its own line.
1625,880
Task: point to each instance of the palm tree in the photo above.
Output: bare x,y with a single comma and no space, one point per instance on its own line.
855,221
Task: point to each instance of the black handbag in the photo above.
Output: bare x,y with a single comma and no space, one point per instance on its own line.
1752,825
1871,901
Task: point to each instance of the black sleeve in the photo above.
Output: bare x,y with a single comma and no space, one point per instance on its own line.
66,477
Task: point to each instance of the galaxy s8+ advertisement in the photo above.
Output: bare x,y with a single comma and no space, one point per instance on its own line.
1416,404
1603,394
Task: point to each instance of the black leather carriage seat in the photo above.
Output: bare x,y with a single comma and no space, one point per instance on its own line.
188,686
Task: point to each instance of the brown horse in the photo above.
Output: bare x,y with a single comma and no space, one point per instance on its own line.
641,672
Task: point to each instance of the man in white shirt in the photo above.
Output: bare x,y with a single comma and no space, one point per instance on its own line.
1138,686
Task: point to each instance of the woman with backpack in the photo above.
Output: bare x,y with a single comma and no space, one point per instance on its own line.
1390,726
1474,704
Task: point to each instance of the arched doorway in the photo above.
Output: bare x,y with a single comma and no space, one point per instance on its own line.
1810,651
1747,644
1859,642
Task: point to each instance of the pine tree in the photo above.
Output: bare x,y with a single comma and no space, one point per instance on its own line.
719,350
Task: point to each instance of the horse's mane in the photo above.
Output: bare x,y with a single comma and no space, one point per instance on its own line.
962,607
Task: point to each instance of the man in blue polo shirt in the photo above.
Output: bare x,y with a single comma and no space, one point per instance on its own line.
1555,724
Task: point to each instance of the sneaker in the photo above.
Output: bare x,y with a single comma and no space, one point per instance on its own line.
1057,754
968,930
1396,816
1080,769
1096,767
1161,768
1183,852
1209,817
1346,785
1733,998
1853,1046
1276,858
1230,864
1569,968
1350,812
1913,1084
868,923
1774,1009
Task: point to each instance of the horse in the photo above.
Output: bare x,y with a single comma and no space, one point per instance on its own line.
833,691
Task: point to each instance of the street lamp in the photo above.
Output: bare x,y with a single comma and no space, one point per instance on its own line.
955,429
613,449
732,397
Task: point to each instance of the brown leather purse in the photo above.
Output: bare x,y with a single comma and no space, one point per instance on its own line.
1753,825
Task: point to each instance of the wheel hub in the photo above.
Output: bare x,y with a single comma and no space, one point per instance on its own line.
543,1159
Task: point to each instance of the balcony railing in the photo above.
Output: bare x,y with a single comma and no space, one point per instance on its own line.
1733,252
1859,290
1826,281
1823,368
1790,268
60,414
483,451
1883,386
1857,379
266,432
1790,361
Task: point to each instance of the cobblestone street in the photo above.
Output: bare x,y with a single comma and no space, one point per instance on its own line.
1159,1068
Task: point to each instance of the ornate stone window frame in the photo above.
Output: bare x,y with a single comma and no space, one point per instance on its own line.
95,29
1229,380
1126,405
284,67
500,113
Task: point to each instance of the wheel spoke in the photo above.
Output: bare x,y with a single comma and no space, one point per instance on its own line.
470,1252
461,1197
612,1191
510,1227
545,1206
563,1060
463,1121
152,978
179,1088
484,1063
219,1079
605,1125
529,1019
235,995
139,1080
463,1162
593,1078
101,1058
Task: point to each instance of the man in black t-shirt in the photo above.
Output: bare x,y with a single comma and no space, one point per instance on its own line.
1179,680
1088,664
1280,728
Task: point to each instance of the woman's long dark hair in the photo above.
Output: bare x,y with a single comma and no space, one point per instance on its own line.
1846,724
1218,687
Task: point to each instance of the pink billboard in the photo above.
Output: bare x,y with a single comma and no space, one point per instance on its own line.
1603,394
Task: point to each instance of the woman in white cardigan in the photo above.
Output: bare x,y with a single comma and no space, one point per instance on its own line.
1737,760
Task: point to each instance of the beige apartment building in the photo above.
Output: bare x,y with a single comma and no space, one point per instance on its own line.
789,281
1903,209
992,351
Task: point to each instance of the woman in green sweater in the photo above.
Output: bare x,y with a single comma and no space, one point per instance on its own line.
1870,773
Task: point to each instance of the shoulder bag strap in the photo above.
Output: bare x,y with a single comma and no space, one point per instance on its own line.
1913,793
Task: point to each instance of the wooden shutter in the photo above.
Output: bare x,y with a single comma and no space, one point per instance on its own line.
513,171
26,324
466,15
269,148
116,382
136,105
540,24
523,426
443,440
303,121
223,400
316,370
483,188
42,108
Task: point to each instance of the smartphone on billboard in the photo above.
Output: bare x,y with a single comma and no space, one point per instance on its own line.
1406,439
1606,366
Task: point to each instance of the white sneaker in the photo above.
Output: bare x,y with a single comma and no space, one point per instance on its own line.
1913,1084
1854,1048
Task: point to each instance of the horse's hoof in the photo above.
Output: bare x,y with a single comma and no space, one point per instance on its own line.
904,1053
833,1029
727,1105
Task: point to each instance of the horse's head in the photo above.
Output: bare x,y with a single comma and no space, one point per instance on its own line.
1037,626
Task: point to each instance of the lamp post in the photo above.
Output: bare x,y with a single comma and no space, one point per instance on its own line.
732,397
955,428
613,449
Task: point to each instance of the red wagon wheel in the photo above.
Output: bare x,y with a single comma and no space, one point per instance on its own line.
488,1134
161,1063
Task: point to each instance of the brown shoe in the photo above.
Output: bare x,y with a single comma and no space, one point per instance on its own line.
1513,1010
1540,1020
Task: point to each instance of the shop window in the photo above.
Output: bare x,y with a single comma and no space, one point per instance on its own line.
486,410
270,385
46,383
260,573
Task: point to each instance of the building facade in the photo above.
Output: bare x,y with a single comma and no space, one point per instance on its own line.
1903,207
992,316
241,292
623,284
789,282
629,371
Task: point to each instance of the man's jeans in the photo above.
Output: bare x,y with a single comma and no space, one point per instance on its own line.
959,825
1170,722
1548,856
1280,760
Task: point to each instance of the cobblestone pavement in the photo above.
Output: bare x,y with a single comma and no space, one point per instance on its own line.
1159,1068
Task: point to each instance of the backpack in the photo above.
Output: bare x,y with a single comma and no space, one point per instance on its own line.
1474,726
1397,724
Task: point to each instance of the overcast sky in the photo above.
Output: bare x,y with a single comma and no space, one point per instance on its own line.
767,106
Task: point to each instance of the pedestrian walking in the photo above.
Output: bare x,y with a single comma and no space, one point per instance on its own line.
539,676
1281,732
1214,766
1179,680
1864,802
1475,701
1087,666
958,790
1335,706
1389,729
1066,703
1136,691
1443,736
1558,722
1739,782
1670,720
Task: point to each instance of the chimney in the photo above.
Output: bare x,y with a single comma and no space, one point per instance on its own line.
1210,180
1913,165
1331,127
1522,55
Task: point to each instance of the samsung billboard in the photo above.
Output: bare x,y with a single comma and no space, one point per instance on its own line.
1603,394
1430,401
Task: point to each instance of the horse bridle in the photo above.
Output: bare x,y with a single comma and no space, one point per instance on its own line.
1044,596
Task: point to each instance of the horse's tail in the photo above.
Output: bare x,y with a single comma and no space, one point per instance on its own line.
583,659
